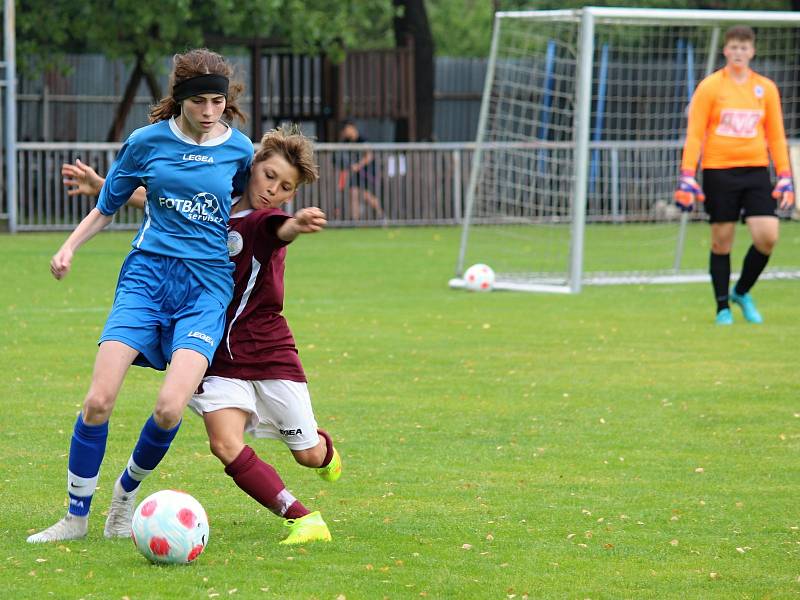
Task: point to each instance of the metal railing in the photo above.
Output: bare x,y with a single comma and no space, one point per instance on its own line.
405,184
411,184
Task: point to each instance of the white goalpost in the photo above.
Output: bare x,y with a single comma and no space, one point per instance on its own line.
9,119
580,137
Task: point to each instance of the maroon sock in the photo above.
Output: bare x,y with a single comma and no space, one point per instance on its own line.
329,444
262,483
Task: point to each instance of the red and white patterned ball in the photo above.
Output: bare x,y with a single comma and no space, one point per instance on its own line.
170,527
479,278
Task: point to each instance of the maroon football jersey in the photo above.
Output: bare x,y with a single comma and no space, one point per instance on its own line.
257,343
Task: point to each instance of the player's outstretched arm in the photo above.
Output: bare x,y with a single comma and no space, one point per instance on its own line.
80,178
61,262
305,220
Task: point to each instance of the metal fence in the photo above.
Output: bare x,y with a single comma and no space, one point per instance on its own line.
414,184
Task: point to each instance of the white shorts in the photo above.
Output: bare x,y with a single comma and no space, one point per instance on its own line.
278,408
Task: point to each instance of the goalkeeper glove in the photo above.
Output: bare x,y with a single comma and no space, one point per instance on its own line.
688,191
784,190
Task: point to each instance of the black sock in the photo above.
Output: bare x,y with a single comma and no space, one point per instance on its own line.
754,263
720,269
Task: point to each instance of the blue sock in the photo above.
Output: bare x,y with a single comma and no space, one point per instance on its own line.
86,451
151,447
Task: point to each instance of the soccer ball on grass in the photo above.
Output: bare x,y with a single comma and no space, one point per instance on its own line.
479,278
170,527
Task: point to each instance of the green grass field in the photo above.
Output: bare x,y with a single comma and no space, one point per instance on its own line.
612,248
612,444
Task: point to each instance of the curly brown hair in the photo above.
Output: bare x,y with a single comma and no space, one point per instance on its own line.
297,149
199,61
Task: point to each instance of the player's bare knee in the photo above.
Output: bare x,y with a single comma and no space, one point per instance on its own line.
721,246
225,449
765,247
218,451
311,457
97,406
167,416
766,244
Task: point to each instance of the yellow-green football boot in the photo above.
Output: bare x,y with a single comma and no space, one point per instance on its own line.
310,528
334,469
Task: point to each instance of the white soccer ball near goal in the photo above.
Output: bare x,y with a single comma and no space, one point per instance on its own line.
479,278
170,527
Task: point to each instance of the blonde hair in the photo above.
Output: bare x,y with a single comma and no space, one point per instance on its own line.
193,63
289,142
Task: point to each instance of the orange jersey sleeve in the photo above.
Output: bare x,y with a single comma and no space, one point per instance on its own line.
776,134
735,125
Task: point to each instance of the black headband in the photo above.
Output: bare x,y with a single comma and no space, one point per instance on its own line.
202,84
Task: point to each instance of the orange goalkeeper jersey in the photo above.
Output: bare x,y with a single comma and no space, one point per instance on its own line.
734,125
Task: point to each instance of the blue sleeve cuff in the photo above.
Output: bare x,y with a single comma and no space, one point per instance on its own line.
104,209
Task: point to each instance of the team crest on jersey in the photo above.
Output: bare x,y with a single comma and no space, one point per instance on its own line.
235,243
739,123
202,207
758,91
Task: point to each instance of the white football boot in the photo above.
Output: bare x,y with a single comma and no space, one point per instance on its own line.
120,515
68,528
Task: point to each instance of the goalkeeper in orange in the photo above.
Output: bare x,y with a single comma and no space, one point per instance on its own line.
736,124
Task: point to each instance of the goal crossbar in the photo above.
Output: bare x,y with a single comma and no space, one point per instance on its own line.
649,16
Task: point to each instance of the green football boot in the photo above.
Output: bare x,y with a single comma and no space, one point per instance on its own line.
310,528
334,469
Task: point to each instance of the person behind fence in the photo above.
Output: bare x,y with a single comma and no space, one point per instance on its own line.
174,285
736,124
358,173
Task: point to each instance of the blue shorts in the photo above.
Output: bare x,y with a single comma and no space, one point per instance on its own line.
160,307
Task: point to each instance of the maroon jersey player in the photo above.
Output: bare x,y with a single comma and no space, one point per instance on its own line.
256,383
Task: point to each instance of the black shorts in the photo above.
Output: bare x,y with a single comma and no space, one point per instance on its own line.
364,179
739,192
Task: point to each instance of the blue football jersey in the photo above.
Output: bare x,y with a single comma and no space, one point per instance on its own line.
189,188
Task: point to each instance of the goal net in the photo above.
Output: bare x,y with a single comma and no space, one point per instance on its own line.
580,138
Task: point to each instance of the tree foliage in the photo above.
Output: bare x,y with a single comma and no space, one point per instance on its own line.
151,29
463,27
46,29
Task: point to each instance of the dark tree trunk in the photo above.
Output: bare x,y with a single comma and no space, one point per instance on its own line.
152,84
413,22
125,104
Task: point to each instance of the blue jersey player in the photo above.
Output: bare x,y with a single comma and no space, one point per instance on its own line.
174,286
